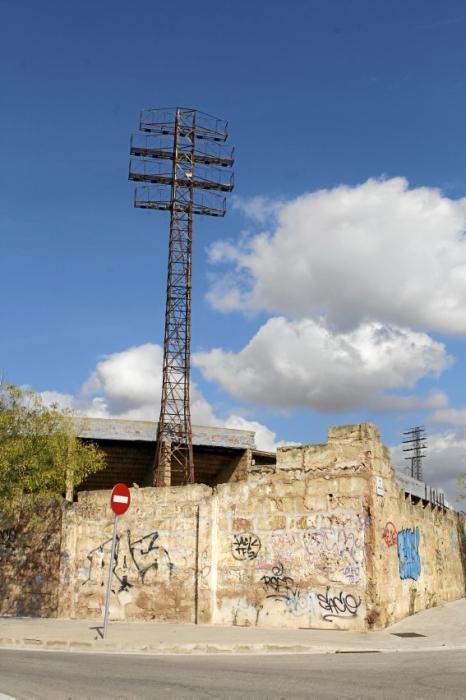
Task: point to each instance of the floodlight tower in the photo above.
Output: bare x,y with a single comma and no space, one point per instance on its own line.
417,442
183,153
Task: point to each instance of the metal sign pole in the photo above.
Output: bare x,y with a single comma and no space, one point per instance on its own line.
110,572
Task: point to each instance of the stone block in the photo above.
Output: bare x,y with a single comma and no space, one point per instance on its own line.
359,432
270,523
290,458
242,524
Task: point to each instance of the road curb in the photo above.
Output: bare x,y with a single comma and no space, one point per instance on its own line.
204,649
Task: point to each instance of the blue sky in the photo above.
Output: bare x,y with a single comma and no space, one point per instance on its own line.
318,95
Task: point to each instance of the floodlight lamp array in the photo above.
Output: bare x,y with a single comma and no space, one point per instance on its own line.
163,121
186,150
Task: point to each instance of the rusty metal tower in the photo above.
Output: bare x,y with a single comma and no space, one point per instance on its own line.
182,155
417,444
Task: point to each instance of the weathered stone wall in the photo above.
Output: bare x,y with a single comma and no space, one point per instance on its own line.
417,556
155,563
328,540
288,555
283,549
413,554
29,563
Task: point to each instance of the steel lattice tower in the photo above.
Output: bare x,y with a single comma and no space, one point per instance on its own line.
417,444
183,153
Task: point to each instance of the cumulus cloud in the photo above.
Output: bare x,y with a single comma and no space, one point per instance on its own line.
436,399
51,398
377,251
305,363
266,439
127,385
258,208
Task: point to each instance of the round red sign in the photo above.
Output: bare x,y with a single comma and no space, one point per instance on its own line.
120,499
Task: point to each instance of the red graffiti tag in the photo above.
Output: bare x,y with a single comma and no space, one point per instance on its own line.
390,535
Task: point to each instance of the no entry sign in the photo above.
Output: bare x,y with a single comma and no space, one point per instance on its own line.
120,499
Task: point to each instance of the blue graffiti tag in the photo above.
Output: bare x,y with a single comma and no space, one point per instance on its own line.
408,553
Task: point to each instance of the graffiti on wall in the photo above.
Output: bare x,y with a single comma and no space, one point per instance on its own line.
242,609
408,553
245,546
390,535
337,551
133,560
17,543
204,564
280,546
352,573
341,605
146,554
281,586
278,585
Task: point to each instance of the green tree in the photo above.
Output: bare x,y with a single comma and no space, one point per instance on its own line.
39,450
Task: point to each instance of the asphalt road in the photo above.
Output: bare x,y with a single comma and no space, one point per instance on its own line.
25,674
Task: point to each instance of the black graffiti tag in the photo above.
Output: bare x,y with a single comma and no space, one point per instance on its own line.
245,545
145,553
278,585
343,605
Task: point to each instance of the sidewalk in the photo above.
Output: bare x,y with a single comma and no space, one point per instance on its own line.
441,628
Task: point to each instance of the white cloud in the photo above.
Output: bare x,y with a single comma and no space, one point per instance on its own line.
64,401
266,439
450,416
128,385
378,251
303,363
407,402
258,208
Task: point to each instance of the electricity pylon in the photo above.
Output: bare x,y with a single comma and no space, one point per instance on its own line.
417,444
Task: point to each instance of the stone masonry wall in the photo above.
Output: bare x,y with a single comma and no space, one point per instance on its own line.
290,556
327,541
155,562
29,563
311,545
417,555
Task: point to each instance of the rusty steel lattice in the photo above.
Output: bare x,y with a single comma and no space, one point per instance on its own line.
182,156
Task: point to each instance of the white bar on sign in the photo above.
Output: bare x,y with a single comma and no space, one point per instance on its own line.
120,499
